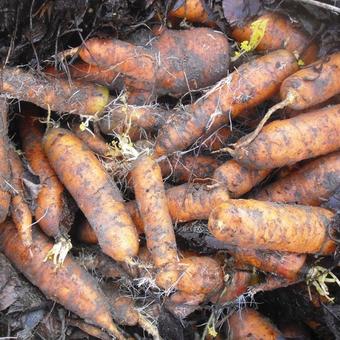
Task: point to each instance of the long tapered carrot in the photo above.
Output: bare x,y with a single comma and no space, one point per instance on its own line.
54,94
273,226
68,284
94,191
311,184
20,211
5,172
152,203
251,84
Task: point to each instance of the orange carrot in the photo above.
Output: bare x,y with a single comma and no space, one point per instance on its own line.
5,172
284,142
95,193
66,285
266,225
54,94
250,85
280,32
20,211
311,184
152,203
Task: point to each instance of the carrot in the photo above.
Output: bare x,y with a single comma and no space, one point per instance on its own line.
311,184
133,120
152,203
189,167
67,284
95,142
284,142
251,84
54,94
53,209
20,211
238,179
287,265
87,73
156,69
306,88
251,324
280,32
95,193
5,172
272,226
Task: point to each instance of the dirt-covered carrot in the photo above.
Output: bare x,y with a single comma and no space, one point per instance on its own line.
278,32
203,53
189,168
20,211
95,193
236,178
133,120
5,171
311,184
250,324
95,142
251,84
152,203
54,94
285,142
273,226
53,210
67,284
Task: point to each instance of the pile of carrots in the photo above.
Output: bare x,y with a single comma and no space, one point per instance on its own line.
88,167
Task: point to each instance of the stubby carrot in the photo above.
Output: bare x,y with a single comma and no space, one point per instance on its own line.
152,203
95,193
54,94
20,211
279,32
311,184
251,324
283,142
66,285
273,226
236,178
251,84
5,172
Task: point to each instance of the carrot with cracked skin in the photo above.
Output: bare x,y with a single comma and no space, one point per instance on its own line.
249,323
272,226
241,90
5,171
152,203
54,94
53,210
95,193
280,32
204,55
237,179
285,142
65,285
311,184
20,211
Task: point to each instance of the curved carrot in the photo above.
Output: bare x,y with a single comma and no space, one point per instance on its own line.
95,193
54,94
251,84
280,32
284,142
152,203
238,179
67,284
20,211
311,184
5,172
266,225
